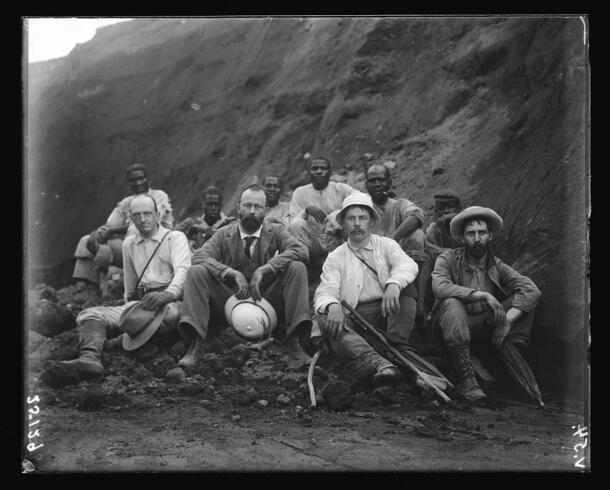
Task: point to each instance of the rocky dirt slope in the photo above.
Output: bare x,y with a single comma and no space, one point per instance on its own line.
492,107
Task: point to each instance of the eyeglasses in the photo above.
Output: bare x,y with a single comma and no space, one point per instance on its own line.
256,207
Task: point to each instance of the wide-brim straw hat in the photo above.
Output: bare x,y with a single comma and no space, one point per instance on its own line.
358,199
139,325
251,319
491,217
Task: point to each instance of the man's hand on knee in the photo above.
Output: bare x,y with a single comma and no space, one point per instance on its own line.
390,303
499,315
500,334
241,283
335,322
257,281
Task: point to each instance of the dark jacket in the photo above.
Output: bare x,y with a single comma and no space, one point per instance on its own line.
224,249
447,281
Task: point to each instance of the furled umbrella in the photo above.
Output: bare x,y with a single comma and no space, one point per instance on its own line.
520,371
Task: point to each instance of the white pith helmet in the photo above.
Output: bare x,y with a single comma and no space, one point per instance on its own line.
251,319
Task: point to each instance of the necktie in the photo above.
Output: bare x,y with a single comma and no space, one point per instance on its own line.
249,240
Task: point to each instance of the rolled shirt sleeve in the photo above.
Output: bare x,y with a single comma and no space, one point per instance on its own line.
328,291
524,291
403,269
410,209
180,254
130,277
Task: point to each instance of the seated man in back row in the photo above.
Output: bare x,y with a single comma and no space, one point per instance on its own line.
370,273
311,204
199,230
158,285
247,258
103,247
277,211
480,299
438,240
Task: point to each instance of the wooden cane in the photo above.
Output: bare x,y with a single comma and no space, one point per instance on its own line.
312,365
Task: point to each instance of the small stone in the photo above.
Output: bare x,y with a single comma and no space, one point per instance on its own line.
283,399
230,337
176,375
191,389
236,418
392,420
263,403
384,394
178,349
390,164
244,399
337,395
57,375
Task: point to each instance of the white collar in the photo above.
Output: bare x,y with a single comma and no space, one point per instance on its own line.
367,246
243,234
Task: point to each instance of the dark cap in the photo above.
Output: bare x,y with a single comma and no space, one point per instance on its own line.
447,194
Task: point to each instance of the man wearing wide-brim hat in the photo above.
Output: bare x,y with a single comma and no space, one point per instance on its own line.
479,299
156,261
370,273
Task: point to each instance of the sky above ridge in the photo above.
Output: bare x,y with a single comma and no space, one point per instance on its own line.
47,38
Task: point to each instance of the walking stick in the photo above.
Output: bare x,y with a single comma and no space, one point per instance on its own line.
423,378
312,365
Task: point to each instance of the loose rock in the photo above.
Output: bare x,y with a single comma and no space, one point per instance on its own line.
176,375
49,319
337,395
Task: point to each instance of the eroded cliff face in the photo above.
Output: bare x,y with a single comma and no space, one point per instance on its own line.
493,108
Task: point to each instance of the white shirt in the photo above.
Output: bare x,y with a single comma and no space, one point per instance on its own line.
343,275
243,234
328,199
167,268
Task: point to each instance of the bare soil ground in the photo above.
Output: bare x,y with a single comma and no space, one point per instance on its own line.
184,433
248,409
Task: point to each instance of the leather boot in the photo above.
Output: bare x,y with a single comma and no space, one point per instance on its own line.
92,335
466,381
193,353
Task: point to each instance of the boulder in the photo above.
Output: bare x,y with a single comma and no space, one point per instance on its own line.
49,319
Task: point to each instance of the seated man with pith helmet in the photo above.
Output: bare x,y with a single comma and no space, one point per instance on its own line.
248,258
370,273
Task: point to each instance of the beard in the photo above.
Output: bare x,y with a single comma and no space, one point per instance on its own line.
477,250
251,223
